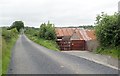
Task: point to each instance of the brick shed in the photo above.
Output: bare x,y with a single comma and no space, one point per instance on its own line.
74,38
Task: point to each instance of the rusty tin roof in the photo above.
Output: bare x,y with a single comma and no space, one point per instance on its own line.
76,33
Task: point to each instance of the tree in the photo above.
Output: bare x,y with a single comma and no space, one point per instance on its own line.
18,25
31,30
87,26
47,31
108,30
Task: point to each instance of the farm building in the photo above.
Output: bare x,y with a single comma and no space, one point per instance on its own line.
74,38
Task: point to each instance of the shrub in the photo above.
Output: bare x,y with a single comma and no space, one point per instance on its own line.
108,30
8,34
47,31
8,40
32,31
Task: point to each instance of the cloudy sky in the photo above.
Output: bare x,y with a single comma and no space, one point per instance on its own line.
59,12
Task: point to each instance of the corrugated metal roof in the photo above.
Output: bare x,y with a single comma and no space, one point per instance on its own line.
91,34
81,34
76,35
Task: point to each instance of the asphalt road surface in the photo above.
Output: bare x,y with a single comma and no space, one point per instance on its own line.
31,58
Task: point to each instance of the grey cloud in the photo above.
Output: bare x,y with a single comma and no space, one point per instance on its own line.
60,12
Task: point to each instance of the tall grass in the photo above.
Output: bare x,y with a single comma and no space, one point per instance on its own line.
50,44
9,38
6,53
111,51
0,55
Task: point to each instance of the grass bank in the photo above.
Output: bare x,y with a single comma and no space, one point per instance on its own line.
9,38
113,52
6,53
0,54
46,43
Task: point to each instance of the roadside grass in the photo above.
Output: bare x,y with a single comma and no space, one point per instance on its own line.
6,53
0,55
46,43
114,52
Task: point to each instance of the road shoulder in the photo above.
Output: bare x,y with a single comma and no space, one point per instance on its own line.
101,59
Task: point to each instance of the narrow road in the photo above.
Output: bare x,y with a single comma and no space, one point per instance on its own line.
31,58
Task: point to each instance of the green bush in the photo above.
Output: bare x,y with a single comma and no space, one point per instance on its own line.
108,30
33,34
47,31
9,38
108,34
8,34
32,31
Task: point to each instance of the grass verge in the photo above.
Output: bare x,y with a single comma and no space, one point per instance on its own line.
114,52
46,43
0,55
6,53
